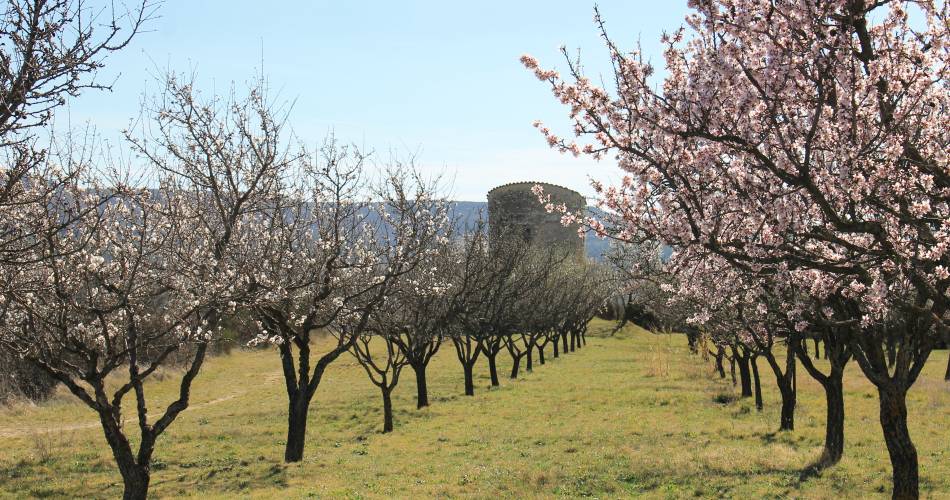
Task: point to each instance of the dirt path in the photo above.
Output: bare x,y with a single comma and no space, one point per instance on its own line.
13,432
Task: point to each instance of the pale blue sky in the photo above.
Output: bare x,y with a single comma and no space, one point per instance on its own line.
437,78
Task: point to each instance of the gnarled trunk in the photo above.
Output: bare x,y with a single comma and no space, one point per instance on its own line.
901,449
787,418
135,475
135,481
296,427
834,422
756,381
515,364
422,390
744,375
838,353
732,371
786,385
469,380
492,369
387,409
719,367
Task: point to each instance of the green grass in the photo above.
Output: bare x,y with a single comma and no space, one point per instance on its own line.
630,415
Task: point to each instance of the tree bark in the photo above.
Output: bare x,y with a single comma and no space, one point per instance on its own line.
493,369
469,380
839,354
758,386
787,419
573,340
135,477
515,363
387,409
732,371
422,389
834,423
296,428
719,368
135,483
564,342
541,354
744,375
901,449
556,342
786,386
528,365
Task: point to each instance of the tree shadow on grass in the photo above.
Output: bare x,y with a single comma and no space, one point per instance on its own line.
648,480
816,468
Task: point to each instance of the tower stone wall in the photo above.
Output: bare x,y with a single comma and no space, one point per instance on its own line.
514,211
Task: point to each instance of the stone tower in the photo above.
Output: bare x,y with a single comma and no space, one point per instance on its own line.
514,210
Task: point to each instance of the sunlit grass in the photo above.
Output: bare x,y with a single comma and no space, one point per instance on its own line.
632,414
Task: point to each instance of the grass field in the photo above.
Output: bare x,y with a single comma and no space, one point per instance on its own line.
629,415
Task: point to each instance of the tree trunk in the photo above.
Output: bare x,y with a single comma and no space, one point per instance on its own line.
515,363
755,379
947,376
387,410
899,445
786,385
564,342
469,381
787,420
556,343
732,371
135,477
817,351
296,428
719,368
135,483
530,360
492,369
838,353
744,375
834,426
422,390
541,354
573,341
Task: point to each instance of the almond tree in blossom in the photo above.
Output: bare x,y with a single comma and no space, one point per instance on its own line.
140,290
50,51
420,311
418,228
802,138
328,256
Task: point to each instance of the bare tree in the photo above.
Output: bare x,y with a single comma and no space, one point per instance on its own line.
383,368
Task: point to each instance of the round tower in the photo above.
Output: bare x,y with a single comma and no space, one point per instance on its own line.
513,210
